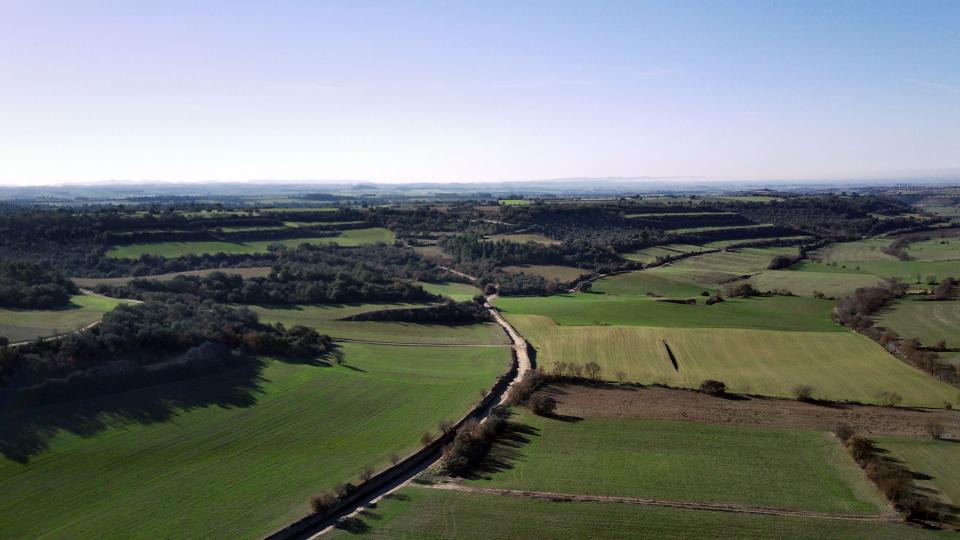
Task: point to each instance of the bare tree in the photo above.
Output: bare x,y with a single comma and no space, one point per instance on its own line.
593,370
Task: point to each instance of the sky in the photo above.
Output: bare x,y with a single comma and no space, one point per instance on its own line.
94,91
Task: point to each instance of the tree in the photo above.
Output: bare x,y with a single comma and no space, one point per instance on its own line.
542,404
322,502
888,399
365,474
621,376
934,429
803,392
584,286
426,438
843,432
593,370
714,388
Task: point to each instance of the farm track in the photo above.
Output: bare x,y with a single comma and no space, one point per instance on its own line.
55,337
407,470
687,505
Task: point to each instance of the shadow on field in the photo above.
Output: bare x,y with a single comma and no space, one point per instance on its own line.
28,431
505,451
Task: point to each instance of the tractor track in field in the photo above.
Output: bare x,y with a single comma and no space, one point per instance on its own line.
687,505
401,474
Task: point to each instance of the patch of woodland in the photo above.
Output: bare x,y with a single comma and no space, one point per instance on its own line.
28,285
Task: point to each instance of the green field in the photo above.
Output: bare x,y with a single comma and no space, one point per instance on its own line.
247,272
460,292
513,202
521,238
832,284
908,271
421,512
179,249
351,237
661,280
838,365
650,254
596,309
550,271
937,461
723,244
930,322
758,226
671,214
27,324
861,250
325,320
935,249
686,461
227,455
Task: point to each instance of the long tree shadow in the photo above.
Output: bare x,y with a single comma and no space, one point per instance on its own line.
505,451
28,431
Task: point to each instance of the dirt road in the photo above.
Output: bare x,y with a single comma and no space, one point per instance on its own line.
688,505
404,472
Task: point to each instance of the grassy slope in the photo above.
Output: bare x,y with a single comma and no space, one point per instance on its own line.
324,320
939,460
27,324
767,313
928,321
833,284
909,271
839,365
549,271
351,237
221,471
457,291
936,249
685,461
417,512
650,254
861,250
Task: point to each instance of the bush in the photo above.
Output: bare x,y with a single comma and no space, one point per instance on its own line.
426,438
365,474
740,290
888,399
860,449
803,392
444,426
344,490
712,387
843,432
935,430
542,404
322,502
394,459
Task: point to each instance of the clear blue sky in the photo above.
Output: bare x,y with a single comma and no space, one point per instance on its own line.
450,91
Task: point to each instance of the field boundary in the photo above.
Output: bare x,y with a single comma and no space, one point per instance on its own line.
687,505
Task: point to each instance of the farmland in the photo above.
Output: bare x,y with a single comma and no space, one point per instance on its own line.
752,361
550,272
350,237
767,313
457,291
231,455
26,324
538,238
936,462
422,511
650,255
687,461
451,514
929,322
326,319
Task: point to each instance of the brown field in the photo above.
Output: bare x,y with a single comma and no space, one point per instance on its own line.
656,403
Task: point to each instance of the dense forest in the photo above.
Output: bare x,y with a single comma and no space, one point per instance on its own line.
28,285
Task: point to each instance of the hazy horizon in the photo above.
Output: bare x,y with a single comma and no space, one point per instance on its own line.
460,93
